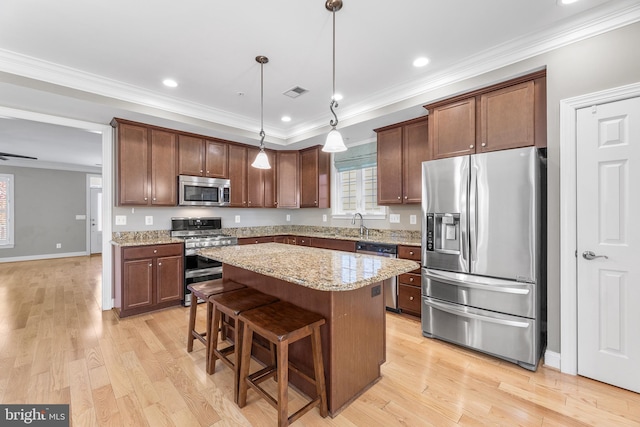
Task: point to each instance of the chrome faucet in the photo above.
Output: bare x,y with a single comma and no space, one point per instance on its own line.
363,229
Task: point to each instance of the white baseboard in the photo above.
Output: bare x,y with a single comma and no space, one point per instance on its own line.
552,359
43,256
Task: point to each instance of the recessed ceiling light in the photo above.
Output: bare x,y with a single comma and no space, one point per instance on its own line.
286,119
421,62
170,83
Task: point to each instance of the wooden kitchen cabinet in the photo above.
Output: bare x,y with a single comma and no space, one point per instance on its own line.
410,284
401,150
255,240
287,179
148,278
202,157
335,244
507,115
146,165
261,183
315,178
238,176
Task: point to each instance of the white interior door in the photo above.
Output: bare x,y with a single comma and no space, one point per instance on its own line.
95,219
608,242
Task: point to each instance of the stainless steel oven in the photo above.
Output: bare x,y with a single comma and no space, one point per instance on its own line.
199,233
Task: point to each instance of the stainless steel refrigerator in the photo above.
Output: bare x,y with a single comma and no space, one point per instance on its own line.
483,252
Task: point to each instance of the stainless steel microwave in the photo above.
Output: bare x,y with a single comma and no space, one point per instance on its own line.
201,191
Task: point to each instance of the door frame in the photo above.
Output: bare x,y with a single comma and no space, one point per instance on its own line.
107,186
569,216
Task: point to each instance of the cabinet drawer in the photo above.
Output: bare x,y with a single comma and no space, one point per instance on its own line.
255,240
409,252
409,299
410,279
136,252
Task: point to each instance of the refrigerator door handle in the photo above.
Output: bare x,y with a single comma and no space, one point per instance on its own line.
463,313
492,287
464,230
473,214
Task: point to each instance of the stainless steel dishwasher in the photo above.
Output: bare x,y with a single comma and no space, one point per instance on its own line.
390,285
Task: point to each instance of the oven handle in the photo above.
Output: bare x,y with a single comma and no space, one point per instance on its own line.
189,274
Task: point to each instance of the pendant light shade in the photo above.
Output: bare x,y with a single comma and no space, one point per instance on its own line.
261,161
334,142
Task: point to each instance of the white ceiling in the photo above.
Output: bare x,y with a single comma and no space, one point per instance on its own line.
93,61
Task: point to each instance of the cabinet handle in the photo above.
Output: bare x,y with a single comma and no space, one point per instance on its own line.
207,172
410,298
159,264
411,279
471,146
201,171
484,144
155,251
150,266
410,252
399,197
154,199
145,199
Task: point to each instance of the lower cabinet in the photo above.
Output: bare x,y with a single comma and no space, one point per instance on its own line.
148,278
335,244
410,284
254,240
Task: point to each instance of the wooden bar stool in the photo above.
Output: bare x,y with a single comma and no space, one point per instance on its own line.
204,290
232,304
282,323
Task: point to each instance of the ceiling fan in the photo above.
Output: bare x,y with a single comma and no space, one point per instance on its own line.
3,156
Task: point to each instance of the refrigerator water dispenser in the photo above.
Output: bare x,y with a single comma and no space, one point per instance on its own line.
443,233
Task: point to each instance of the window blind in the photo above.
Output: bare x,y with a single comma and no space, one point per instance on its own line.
358,157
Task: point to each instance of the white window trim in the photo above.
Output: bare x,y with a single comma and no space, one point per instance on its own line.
335,214
9,243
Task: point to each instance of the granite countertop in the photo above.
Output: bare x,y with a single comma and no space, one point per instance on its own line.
320,269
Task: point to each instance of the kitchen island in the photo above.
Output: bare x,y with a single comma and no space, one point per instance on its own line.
344,287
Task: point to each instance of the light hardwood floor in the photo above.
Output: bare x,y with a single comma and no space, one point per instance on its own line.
57,346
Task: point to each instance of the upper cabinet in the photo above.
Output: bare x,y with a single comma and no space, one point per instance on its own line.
146,165
401,150
238,176
201,157
261,183
287,179
507,115
315,178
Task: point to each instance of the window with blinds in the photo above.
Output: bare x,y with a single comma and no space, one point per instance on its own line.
6,211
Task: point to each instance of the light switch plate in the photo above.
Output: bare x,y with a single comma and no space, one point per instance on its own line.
237,219
324,217
121,220
148,220
288,217
412,219
394,218
81,217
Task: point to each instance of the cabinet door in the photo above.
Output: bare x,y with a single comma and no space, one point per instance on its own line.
390,166
270,184
507,118
287,177
452,129
415,150
409,300
255,181
163,168
169,279
309,178
190,156
238,176
138,284
133,165
217,156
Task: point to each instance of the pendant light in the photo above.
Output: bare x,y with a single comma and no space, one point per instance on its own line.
334,142
261,161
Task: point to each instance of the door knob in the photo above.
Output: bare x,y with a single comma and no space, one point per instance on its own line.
589,255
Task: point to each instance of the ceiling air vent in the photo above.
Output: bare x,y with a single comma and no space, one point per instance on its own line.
295,92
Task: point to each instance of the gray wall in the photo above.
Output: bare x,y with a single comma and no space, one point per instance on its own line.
46,204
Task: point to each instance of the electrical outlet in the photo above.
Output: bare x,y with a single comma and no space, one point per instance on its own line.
148,220
58,245
237,219
394,218
81,217
412,219
121,220
288,217
324,217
